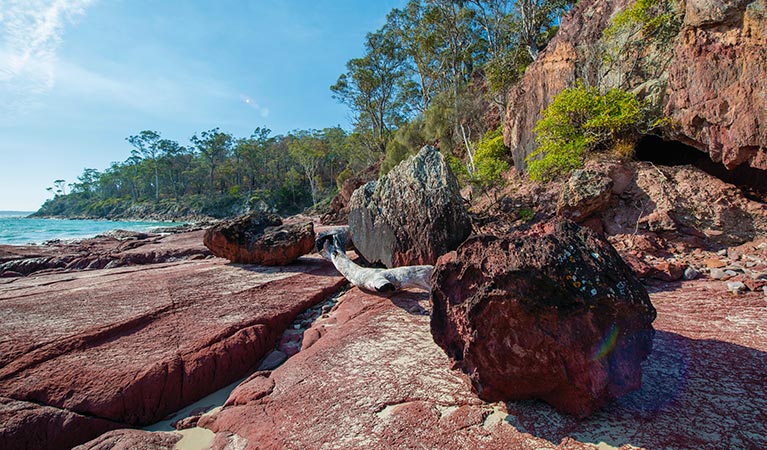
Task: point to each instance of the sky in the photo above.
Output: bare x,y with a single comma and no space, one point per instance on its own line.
79,76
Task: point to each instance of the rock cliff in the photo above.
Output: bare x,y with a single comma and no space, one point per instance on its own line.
709,77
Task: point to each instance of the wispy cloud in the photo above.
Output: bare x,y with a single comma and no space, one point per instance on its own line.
30,34
263,111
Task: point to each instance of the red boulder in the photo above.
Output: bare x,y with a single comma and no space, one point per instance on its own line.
260,239
550,313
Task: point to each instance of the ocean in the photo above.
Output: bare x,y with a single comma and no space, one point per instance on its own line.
16,229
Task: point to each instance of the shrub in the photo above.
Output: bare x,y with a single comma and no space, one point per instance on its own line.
582,120
490,159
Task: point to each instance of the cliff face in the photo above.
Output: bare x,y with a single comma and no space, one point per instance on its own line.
709,76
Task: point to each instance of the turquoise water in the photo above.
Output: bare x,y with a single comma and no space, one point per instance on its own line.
17,229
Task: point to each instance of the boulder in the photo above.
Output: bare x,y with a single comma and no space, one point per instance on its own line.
585,193
551,313
412,215
260,238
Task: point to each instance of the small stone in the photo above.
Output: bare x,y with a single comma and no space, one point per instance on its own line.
764,289
731,273
691,274
326,308
717,274
736,287
714,263
722,252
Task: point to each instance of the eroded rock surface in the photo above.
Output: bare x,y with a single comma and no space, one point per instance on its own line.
551,313
375,379
709,78
260,238
106,251
111,348
412,215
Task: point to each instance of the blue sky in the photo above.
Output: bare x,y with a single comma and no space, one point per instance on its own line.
79,76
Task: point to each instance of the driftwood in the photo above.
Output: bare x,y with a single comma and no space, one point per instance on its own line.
333,247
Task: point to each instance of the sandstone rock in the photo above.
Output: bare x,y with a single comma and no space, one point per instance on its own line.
714,263
132,440
691,274
552,313
259,238
376,380
585,193
412,215
668,270
709,78
125,347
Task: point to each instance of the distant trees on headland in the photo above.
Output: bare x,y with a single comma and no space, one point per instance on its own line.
216,174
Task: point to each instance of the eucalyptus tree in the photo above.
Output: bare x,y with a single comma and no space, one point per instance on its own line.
214,146
146,144
378,88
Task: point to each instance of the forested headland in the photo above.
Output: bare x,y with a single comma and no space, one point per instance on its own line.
436,73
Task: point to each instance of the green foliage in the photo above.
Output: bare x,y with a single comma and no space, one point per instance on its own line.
526,214
459,169
654,18
582,120
407,141
490,160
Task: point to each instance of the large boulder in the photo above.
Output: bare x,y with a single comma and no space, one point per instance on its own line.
260,238
411,216
550,313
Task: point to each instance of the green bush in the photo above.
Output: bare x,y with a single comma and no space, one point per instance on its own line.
582,120
490,159
655,18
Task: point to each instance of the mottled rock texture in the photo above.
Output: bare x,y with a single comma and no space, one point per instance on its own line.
411,216
84,352
585,193
101,252
551,313
260,238
132,440
709,78
375,379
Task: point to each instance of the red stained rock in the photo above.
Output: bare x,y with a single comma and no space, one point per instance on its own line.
132,440
259,238
339,206
552,313
25,425
131,345
376,380
668,270
709,79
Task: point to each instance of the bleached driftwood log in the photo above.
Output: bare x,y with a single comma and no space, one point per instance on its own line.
379,280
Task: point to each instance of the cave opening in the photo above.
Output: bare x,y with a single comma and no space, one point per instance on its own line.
654,149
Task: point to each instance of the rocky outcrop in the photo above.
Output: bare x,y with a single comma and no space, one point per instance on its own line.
375,379
87,351
132,440
551,313
101,252
709,79
412,215
260,238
